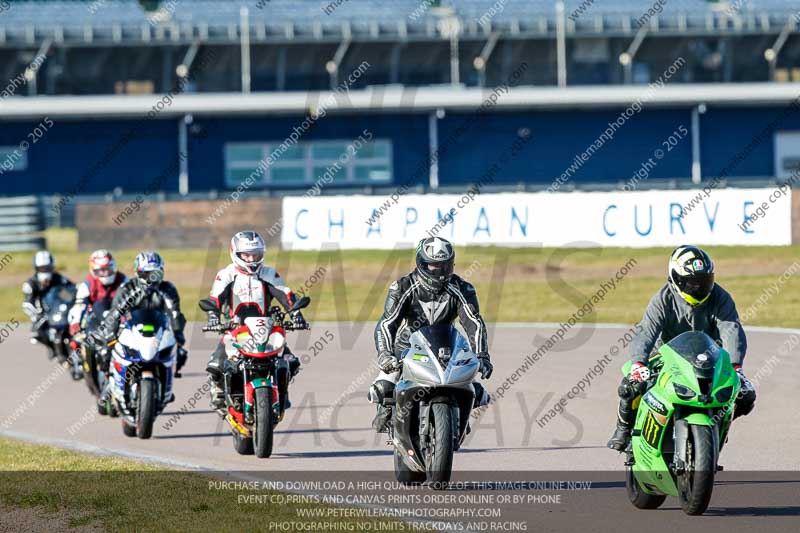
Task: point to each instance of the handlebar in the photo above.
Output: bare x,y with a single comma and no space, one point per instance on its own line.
222,328
219,328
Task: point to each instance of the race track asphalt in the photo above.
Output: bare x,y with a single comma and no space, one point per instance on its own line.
328,426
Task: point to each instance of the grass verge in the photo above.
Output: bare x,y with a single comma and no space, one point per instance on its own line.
514,284
122,495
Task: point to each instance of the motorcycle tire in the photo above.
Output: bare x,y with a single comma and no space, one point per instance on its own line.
263,432
696,484
146,410
439,460
405,475
128,429
639,498
243,445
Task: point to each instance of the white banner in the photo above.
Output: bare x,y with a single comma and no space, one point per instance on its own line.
635,219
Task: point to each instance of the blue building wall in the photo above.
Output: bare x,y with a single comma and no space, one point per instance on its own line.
556,139
726,134
83,152
71,152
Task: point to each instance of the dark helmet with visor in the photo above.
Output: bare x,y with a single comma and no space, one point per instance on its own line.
435,262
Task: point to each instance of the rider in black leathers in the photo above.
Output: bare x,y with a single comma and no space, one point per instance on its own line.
147,290
431,294
35,289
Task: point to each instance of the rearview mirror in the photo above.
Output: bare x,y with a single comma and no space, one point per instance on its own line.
300,304
207,305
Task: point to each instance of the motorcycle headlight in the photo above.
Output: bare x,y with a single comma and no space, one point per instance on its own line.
684,393
724,395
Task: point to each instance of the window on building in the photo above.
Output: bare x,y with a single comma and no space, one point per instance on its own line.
338,162
13,159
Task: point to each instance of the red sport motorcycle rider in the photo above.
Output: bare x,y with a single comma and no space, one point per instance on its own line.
244,289
96,293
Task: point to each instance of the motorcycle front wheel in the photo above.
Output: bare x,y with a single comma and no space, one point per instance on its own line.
146,410
439,455
696,484
92,374
262,429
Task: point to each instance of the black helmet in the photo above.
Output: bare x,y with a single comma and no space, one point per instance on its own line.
691,273
435,262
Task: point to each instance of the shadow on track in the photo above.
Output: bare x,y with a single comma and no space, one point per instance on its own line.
353,453
792,510
191,436
196,412
525,449
320,430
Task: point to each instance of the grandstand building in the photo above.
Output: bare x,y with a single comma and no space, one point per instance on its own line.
209,90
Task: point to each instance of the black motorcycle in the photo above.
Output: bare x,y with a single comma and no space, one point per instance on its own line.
54,309
95,355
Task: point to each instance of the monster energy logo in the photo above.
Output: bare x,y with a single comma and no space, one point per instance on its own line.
651,432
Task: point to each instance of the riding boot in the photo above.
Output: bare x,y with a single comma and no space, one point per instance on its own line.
382,418
626,417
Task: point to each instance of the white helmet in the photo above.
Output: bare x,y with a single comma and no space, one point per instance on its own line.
247,251
103,267
44,264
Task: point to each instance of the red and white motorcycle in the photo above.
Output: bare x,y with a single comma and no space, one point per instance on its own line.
256,376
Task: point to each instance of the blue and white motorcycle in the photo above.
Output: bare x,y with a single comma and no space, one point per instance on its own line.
142,367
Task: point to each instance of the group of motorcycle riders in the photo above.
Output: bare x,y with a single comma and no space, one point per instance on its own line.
431,294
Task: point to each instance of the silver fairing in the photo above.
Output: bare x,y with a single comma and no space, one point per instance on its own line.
423,366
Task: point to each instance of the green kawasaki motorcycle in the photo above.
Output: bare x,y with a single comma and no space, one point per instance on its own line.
682,422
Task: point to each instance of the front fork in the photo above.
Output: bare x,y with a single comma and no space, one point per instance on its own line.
681,460
250,392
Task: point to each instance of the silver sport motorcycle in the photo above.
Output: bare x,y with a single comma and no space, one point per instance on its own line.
432,402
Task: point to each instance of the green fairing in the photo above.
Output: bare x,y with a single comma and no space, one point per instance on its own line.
261,382
660,407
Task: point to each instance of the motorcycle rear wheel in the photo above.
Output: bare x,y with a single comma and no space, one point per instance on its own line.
128,429
639,498
263,428
696,484
243,445
403,474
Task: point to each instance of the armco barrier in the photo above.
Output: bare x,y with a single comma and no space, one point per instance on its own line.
21,219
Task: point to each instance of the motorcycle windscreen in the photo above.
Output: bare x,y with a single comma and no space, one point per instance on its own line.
58,295
95,316
149,328
440,339
56,304
147,321
699,350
